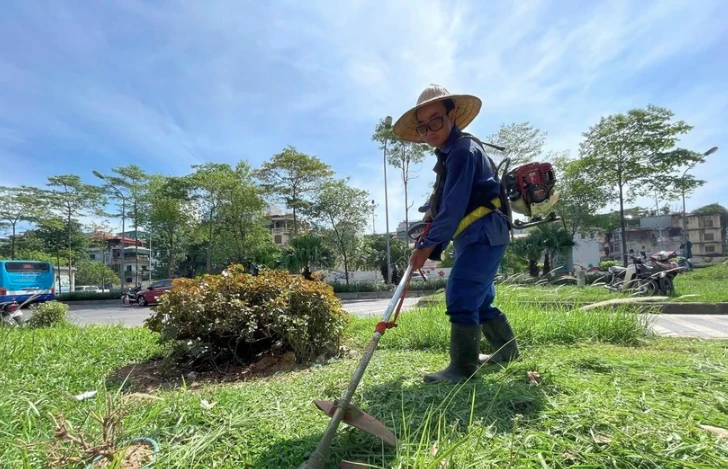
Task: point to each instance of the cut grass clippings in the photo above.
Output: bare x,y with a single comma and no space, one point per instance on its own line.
708,285
597,404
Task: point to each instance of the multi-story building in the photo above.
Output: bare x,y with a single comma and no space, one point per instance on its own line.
109,249
705,232
281,225
665,233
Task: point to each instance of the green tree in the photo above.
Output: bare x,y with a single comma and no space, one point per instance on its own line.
291,176
69,198
530,248
580,196
554,240
19,204
93,273
375,255
211,183
170,219
402,155
523,142
132,183
342,212
242,217
623,152
307,253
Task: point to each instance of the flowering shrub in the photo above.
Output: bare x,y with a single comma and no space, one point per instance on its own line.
237,316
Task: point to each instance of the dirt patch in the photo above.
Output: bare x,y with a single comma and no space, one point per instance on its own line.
156,374
136,456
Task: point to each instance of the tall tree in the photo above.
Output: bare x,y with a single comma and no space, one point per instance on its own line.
580,196
71,199
242,216
341,211
624,152
132,183
523,142
290,176
170,219
19,204
402,155
211,183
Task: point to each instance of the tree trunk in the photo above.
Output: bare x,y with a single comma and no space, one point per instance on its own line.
58,260
622,223
533,267
546,263
209,247
12,244
69,249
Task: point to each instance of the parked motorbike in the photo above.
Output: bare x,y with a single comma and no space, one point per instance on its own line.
129,295
643,279
11,314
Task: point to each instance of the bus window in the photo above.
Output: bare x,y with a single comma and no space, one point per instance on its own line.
27,267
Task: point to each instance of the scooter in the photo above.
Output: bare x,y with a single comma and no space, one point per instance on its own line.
11,314
643,279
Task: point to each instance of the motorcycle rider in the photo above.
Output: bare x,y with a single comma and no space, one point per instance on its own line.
466,181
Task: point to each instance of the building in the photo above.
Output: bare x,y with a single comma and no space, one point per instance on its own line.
665,233
705,232
281,225
108,248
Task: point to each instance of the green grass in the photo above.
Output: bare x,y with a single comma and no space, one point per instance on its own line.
607,399
708,284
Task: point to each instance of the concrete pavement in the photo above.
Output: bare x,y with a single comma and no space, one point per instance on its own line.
674,325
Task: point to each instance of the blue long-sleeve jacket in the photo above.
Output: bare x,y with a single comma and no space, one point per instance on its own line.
467,169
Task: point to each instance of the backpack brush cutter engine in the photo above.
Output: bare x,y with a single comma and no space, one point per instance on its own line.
528,190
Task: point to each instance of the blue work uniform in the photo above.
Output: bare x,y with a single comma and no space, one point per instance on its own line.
479,249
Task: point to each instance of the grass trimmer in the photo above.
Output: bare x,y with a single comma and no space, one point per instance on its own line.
342,409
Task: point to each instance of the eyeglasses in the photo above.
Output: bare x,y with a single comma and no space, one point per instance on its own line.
434,125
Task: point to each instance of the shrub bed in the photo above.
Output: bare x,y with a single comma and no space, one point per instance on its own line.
237,316
47,314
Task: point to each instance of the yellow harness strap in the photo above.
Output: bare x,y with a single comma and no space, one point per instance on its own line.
476,214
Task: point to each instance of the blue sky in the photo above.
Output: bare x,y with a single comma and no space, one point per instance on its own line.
94,85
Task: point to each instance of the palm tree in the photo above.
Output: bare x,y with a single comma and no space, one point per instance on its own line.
306,254
529,248
555,240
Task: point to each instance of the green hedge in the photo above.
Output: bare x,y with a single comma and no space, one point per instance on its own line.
87,295
416,285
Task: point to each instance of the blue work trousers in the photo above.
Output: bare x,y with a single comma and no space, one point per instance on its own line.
470,289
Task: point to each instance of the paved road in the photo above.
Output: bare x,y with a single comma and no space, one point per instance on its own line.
673,325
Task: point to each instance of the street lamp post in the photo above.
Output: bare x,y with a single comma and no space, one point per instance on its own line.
684,215
374,228
387,125
122,274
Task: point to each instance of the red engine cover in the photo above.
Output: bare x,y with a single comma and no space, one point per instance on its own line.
535,180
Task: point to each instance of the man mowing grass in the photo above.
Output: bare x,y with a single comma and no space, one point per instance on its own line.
466,179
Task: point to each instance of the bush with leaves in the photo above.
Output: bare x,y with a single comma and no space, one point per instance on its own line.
236,316
47,314
605,265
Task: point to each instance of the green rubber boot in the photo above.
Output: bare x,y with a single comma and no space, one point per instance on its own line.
500,336
464,346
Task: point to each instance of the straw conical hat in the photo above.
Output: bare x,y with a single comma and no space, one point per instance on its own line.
466,108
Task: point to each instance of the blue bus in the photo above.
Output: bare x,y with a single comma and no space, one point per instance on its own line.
20,280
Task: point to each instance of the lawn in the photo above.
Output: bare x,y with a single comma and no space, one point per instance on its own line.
610,396
709,284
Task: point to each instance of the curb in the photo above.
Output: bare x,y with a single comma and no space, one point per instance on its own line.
715,309
93,302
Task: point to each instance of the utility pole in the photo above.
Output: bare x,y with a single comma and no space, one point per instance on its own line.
387,124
